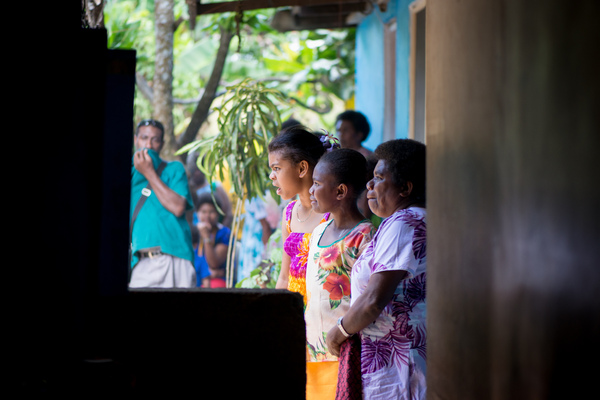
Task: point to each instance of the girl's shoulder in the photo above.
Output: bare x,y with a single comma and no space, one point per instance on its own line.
318,231
359,238
364,230
288,210
223,233
364,227
288,216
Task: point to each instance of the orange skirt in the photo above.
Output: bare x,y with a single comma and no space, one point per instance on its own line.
321,380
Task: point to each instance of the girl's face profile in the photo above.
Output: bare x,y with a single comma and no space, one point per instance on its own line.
324,191
284,175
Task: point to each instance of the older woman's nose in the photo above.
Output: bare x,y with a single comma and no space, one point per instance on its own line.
370,185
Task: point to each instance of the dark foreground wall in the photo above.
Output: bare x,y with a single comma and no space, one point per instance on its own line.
202,343
227,344
220,344
75,330
513,126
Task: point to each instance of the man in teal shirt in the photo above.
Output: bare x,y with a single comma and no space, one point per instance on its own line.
162,252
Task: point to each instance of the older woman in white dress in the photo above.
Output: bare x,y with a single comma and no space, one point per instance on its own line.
389,280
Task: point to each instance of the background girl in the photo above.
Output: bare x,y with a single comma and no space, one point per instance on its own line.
338,179
211,253
293,155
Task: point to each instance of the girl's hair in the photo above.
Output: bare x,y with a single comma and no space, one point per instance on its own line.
348,167
205,198
297,143
405,159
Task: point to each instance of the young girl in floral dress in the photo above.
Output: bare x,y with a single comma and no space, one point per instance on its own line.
338,179
293,155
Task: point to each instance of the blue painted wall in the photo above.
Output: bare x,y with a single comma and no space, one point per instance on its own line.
369,69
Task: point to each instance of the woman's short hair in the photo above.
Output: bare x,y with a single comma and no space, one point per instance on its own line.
207,198
358,121
405,159
348,167
298,144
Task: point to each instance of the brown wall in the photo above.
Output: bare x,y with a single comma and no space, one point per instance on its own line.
513,131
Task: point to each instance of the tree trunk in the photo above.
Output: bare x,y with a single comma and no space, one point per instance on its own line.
94,13
201,111
162,103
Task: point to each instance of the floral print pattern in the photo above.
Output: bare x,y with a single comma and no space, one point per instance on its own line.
338,287
394,345
328,284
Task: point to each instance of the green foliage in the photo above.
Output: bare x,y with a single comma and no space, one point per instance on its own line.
130,25
311,66
320,61
248,118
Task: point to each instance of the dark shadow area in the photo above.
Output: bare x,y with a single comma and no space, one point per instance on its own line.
78,330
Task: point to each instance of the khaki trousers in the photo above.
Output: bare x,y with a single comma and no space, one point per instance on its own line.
163,271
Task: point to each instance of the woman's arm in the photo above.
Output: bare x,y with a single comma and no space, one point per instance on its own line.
266,230
366,309
215,255
284,273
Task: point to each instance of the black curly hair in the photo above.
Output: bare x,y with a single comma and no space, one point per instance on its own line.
358,121
348,167
405,159
205,198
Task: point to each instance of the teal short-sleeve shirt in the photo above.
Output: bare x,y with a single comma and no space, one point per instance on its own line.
155,225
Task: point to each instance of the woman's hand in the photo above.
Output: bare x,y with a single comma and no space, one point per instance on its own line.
366,308
205,229
335,338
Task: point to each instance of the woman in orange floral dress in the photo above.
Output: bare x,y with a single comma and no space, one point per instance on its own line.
338,179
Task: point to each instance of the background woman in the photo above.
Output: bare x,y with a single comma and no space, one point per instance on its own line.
389,279
293,154
211,253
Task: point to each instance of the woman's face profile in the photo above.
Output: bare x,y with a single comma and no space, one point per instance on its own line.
382,193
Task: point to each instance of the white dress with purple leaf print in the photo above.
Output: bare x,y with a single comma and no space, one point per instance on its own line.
394,345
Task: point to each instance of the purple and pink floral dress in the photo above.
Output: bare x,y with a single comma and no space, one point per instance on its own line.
393,355
296,246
